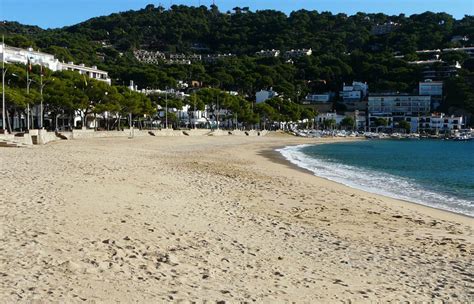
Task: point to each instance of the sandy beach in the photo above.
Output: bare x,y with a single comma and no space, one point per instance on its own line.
150,220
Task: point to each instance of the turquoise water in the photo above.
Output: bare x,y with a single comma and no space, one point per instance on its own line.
432,172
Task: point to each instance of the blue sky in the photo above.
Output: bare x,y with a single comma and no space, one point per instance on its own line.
58,13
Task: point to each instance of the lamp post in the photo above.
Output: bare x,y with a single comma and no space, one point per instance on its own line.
4,71
194,114
28,83
217,109
166,108
41,101
217,104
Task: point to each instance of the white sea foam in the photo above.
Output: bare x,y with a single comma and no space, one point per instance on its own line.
376,182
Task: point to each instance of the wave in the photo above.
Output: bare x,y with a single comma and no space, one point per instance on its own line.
376,182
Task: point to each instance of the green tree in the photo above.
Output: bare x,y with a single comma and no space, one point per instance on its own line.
405,125
329,123
348,122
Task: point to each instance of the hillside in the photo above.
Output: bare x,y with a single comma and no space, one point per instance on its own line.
345,48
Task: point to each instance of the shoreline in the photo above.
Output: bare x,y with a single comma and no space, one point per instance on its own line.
277,157
213,218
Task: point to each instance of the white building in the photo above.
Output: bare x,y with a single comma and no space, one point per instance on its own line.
268,53
194,57
359,118
91,72
399,105
382,29
263,95
468,50
321,103
149,56
431,88
177,56
354,96
426,123
216,57
318,98
178,61
361,121
189,117
426,62
355,92
321,118
18,55
459,38
441,122
298,53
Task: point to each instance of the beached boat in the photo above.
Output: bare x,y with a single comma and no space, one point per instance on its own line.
463,137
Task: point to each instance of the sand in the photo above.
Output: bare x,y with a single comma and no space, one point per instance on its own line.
213,218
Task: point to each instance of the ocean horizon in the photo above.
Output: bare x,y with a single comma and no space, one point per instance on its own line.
434,173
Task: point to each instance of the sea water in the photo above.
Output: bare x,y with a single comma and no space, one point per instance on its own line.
435,173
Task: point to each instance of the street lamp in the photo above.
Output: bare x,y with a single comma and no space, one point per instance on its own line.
4,71
166,108
28,83
194,114
217,104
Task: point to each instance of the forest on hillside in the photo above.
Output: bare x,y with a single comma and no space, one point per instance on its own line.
344,49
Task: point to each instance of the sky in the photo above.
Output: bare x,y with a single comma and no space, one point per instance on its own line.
59,13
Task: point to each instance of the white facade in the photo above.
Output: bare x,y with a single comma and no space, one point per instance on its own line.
318,98
268,53
426,62
468,50
327,116
215,58
351,95
426,123
194,57
441,122
361,122
177,56
187,114
298,53
359,118
91,72
17,55
382,29
355,92
149,57
399,105
459,38
263,95
431,88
